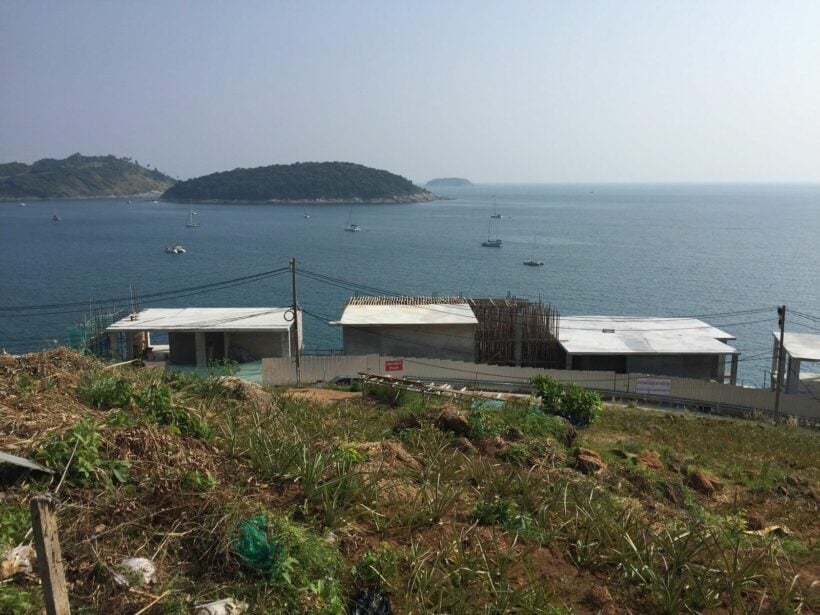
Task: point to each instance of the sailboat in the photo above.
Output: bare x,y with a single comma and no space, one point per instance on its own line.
54,215
353,228
533,262
495,213
191,223
491,243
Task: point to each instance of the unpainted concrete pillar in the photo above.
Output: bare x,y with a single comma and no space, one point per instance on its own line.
199,344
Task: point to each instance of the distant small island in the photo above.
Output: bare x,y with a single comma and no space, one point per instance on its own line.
449,182
301,182
80,176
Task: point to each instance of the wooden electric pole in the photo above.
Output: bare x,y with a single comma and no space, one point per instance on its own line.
781,360
295,308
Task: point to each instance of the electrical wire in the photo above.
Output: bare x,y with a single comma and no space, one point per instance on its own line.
106,302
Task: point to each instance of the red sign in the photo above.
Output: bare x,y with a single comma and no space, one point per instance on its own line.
394,366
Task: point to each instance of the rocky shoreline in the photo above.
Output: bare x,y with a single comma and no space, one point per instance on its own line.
412,198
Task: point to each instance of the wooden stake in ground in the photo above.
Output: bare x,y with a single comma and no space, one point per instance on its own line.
49,555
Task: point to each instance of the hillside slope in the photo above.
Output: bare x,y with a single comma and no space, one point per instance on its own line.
298,507
300,182
79,176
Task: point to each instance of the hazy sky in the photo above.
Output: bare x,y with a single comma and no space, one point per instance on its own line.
668,90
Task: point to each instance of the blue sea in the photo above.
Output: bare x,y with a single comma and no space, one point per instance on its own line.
610,249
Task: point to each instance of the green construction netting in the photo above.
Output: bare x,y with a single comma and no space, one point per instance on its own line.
253,546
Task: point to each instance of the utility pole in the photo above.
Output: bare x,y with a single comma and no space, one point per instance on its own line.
781,360
295,308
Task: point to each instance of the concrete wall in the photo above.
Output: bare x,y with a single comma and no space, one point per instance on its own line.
261,344
698,367
325,368
182,348
454,342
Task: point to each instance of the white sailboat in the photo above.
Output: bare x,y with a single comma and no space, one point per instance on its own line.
491,243
54,216
191,223
533,262
351,227
495,213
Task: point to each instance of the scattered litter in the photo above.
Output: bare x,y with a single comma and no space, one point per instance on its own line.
136,571
228,606
18,560
371,602
253,546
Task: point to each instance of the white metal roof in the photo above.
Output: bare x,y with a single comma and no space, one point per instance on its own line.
633,335
205,319
803,346
433,314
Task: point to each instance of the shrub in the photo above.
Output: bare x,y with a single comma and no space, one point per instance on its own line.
570,401
158,404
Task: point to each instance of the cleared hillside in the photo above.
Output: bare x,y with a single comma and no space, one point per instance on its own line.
298,506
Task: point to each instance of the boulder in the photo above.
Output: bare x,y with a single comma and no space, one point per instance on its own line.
702,483
453,421
588,461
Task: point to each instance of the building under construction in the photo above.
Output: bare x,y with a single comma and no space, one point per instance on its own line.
513,331
507,331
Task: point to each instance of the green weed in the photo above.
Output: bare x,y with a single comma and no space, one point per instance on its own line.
82,446
105,390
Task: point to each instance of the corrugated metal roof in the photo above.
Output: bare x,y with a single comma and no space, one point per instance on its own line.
205,319
416,300
803,346
22,463
619,335
430,314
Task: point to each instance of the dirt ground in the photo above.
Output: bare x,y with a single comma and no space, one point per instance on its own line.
323,395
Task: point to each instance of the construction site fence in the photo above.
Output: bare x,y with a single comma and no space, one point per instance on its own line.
675,391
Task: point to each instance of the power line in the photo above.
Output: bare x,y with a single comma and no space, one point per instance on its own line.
106,302
151,298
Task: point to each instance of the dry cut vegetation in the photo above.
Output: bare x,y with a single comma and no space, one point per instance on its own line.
379,504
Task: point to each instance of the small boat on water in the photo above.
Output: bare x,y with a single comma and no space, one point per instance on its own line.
306,216
191,223
174,248
533,262
54,216
351,226
491,243
495,213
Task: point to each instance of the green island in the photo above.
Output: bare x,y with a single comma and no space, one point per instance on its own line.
301,182
80,176
449,182
327,499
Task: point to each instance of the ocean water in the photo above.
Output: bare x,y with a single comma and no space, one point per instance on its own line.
620,249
